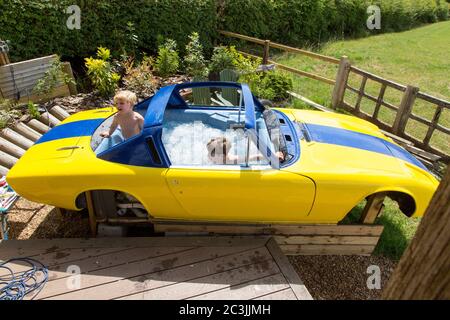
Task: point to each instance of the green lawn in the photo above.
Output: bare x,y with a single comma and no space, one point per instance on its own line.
419,57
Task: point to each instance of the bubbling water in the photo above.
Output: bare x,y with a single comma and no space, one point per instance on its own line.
185,143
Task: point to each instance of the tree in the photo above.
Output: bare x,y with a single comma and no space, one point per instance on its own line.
424,269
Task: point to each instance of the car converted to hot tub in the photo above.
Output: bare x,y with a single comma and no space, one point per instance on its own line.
331,162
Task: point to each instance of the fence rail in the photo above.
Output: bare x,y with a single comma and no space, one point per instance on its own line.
404,113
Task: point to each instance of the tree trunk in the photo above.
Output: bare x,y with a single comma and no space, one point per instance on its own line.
424,269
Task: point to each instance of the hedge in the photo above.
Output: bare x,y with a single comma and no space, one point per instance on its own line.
38,27
297,22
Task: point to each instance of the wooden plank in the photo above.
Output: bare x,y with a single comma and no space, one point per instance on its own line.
92,216
248,290
48,245
67,69
23,65
372,208
293,70
38,126
27,132
313,239
307,249
285,294
49,119
94,282
7,160
372,230
379,100
361,93
280,46
3,171
341,83
433,100
309,102
59,113
230,276
60,91
11,148
16,138
288,271
376,78
404,111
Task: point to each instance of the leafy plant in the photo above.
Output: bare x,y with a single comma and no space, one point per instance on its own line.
53,77
101,73
8,112
270,85
229,58
139,79
33,110
168,60
194,60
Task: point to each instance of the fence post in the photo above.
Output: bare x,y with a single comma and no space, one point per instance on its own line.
404,110
341,82
266,52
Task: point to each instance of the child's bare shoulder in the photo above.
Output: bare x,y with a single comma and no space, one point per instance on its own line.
138,116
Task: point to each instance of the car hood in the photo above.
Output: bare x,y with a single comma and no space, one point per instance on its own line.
342,143
65,138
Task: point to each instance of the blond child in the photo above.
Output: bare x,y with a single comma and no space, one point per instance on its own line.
130,122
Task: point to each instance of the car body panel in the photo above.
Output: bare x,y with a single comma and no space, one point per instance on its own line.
326,179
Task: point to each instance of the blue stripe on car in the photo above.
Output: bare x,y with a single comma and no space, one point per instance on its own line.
358,140
71,130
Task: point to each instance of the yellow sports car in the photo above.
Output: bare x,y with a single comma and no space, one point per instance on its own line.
210,151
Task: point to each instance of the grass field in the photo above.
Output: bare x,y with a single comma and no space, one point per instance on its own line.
420,57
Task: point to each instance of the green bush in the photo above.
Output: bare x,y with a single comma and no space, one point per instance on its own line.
101,73
168,61
305,22
194,60
270,85
38,27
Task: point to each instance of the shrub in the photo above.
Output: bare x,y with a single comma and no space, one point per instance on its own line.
33,110
8,112
51,79
168,61
38,27
229,58
101,73
270,85
194,60
140,79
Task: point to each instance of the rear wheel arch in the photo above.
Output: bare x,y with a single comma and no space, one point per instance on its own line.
81,202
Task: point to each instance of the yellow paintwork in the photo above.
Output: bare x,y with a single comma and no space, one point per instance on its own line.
322,187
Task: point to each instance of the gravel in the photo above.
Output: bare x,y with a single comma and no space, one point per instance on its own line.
341,277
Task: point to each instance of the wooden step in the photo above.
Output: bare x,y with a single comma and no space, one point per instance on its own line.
7,160
16,138
27,132
3,171
11,148
49,119
38,126
59,113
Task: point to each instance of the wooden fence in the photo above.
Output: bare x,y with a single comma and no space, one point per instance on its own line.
424,147
17,80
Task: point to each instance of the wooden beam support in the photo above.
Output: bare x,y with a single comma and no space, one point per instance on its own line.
92,216
373,208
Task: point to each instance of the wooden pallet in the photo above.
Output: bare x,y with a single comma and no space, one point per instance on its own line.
294,239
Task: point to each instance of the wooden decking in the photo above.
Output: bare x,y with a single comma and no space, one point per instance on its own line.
162,268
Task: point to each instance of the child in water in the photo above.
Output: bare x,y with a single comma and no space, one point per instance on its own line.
130,122
219,148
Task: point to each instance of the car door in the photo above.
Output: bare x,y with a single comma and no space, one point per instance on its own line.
240,193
